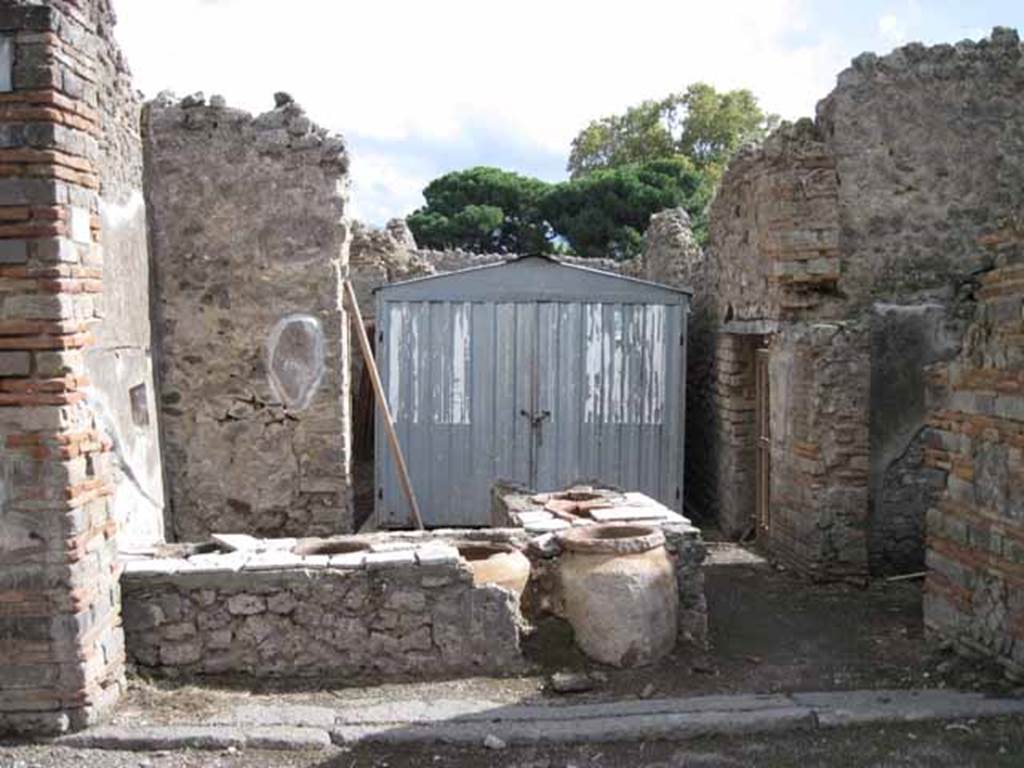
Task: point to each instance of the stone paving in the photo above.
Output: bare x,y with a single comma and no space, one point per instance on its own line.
478,721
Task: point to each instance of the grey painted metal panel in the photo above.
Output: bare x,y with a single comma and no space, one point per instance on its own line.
539,392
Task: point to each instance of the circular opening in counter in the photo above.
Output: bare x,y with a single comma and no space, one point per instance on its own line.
578,496
330,547
188,549
475,551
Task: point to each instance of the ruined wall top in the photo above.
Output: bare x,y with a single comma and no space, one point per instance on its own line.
894,192
671,253
388,254
283,132
998,55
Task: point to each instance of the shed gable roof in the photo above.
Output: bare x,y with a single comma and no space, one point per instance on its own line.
532,278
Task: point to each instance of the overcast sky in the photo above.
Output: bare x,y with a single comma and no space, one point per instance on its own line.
422,87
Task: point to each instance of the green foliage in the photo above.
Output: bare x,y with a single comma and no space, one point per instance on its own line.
699,124
635,137
605,213
483,209
623,168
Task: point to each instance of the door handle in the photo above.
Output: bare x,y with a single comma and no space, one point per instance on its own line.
535,420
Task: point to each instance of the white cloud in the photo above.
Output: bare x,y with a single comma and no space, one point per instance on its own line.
406,70
891,29
384,185
901,24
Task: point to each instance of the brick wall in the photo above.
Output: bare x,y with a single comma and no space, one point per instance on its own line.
61,646
735,428
819,398
866,219
774,230
974,593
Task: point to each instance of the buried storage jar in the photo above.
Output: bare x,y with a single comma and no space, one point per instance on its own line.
620,593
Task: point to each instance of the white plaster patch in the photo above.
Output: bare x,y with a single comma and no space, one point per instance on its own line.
6,63
81,231
295,360
117,215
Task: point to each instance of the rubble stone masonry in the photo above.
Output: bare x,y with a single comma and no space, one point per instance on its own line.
673,257
862,231
248,245
61,645
403,613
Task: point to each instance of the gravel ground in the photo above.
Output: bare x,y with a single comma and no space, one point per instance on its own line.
37,756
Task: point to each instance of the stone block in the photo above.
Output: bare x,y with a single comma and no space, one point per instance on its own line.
14,191
13,252
15,364
395,559
348,560
272,560
154,566
179,654
246,605
59,250
437,554
218,562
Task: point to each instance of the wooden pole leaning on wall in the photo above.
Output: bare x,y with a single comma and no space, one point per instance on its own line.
382,403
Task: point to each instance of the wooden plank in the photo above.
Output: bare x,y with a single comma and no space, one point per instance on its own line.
382,404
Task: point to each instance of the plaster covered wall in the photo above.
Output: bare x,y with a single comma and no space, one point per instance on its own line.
249,244
119,364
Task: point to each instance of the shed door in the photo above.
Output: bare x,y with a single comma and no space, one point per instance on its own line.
544,394
609,398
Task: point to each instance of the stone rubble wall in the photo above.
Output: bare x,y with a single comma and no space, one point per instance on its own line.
249,245
927,143
870,216
67,151
905,340
974,592
384,616
672,257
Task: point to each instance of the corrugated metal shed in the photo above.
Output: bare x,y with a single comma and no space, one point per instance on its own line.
531,371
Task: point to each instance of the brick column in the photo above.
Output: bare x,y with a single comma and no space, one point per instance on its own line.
61,645
974,594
